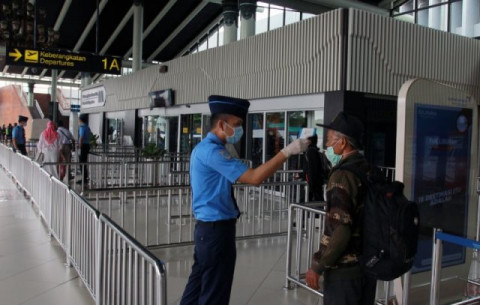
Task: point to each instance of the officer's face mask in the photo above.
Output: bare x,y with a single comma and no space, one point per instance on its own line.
332,156
236,136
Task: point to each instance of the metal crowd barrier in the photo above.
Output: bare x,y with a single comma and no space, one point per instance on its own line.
438,238
144,212
305,229
80,229
84,241
127,273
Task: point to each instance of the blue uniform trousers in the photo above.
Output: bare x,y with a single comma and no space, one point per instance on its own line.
214,264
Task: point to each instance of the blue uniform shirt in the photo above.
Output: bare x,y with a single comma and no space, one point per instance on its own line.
84,131
18,134
212,172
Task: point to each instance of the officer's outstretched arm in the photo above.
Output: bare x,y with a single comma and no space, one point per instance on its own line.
257,175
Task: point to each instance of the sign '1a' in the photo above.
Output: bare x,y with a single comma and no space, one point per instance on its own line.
63,60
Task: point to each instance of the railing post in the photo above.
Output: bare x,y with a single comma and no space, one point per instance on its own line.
436,268
98,265
289,246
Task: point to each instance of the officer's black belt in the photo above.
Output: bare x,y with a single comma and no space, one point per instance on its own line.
226,222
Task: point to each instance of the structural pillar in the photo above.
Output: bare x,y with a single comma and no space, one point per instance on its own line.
53,94
230,19
31,96
137,48
247,18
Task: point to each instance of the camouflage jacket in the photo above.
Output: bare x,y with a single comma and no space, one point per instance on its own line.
341,243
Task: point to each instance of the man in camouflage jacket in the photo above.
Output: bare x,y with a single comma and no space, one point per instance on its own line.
341,244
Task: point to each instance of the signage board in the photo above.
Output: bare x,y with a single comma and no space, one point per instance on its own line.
436,139
63,60
93,97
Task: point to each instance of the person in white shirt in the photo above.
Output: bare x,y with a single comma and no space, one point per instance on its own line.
49,145
68,142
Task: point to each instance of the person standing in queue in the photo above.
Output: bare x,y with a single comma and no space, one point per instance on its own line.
344,279
18,135
84,135
212,173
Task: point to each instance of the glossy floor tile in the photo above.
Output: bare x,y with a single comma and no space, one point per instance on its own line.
32,265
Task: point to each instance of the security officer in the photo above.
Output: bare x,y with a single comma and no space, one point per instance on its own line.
212,172
18,135
84,135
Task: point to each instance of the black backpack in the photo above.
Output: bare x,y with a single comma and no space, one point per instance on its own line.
390,226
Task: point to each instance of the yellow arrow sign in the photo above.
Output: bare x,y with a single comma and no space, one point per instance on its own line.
17,54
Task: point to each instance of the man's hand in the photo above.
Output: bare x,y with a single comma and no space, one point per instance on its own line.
312,279
296,147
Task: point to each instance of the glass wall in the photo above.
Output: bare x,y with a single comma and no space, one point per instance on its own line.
268,17
114,131
269,132
190,132
454,16
161,131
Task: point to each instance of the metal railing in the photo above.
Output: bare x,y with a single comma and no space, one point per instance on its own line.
305,230
84,240
144,212
127,273
79,229
438,238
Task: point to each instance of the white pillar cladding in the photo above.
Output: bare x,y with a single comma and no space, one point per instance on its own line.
230,21
86,80
137,48
247,17
31,95
471,16
53,94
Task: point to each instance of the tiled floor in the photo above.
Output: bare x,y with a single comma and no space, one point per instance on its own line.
259,273
32,266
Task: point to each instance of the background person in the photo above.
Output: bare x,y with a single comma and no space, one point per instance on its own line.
212,172
315,170
84,135
68,142
18,135
49,145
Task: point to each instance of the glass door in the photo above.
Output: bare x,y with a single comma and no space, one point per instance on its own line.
255,138
190,132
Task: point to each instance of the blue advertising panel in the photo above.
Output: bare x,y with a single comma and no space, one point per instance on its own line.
440,175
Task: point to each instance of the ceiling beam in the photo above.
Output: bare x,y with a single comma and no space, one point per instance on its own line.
153,24
117,31
87,30
199,36
58,24
182,25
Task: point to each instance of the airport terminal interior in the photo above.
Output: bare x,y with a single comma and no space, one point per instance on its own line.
115,225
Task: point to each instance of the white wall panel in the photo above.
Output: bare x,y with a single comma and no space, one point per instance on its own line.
383,53
301,58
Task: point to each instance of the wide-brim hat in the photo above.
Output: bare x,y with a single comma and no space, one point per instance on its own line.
228,105
348,125
22,118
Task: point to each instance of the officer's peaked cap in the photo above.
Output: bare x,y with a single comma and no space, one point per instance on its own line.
228,105
22,118
348,125
83,117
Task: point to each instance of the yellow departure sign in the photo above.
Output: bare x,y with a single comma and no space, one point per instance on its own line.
53,59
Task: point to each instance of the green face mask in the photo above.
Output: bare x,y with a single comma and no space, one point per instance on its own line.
332,157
